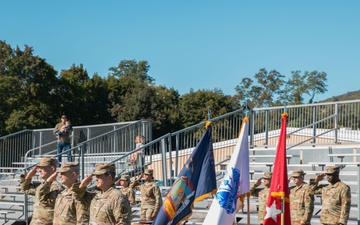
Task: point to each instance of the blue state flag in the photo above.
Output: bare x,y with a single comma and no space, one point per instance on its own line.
196,181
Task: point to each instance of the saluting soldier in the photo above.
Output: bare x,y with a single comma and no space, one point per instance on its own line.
262,193
107,204
43,210
68,210
124,181
301,200
336,197
151,200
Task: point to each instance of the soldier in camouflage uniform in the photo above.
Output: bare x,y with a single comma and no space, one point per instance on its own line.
151,200
336,197
68,210
107,204
124,181
43,210
301,200
262,193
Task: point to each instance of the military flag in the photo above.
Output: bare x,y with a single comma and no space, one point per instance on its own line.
277,207
196,181
236,183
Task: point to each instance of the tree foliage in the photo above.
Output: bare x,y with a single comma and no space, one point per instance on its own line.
271,88
34,95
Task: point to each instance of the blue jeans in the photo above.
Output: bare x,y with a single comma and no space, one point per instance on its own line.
64,146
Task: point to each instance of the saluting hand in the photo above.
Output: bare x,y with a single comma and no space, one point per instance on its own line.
31,173
86,181
52,177
319,177
258,182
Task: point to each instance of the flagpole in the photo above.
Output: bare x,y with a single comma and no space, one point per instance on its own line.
283,197
282,210
248,210
247,199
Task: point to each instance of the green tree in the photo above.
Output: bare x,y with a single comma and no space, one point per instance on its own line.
134,96
309,83
264,93
31,106
194,105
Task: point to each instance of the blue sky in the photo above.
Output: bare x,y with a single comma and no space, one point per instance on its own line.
194,44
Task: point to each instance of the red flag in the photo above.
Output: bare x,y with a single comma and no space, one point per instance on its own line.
277,207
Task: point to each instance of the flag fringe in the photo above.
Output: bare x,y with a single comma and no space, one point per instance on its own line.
280,195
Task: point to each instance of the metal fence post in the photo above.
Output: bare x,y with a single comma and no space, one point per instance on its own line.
358,191
163,157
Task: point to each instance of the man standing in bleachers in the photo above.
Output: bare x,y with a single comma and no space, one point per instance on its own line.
336,197
301,200
262,193
63,138
43,211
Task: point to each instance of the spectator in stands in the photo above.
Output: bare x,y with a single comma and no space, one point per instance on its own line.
151,200
64,129
137,158
64,139
67,210
124,181
43,210
107,204
262,193
336,197
301,200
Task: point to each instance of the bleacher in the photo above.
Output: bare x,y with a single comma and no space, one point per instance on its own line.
309,149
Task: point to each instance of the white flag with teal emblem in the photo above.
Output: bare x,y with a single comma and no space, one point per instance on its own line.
235,185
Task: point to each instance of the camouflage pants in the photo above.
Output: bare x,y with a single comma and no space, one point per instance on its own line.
146,212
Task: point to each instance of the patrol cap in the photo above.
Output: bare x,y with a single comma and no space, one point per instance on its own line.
332,169
104,168
298,173
125,177
48,161
149,172
267,175
66,166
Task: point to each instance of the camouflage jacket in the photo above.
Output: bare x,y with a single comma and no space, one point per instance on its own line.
43,203
150,195
109,207
263,194
129,193
336,202
301,204
67,210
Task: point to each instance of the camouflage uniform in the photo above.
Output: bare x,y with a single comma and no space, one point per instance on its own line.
336,200
67,210
106,207
263,197
262,194
301,204
128,191
70,211
43,204
151,200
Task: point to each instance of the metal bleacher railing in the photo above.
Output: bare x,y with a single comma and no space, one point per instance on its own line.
14,147
95,148
309,126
